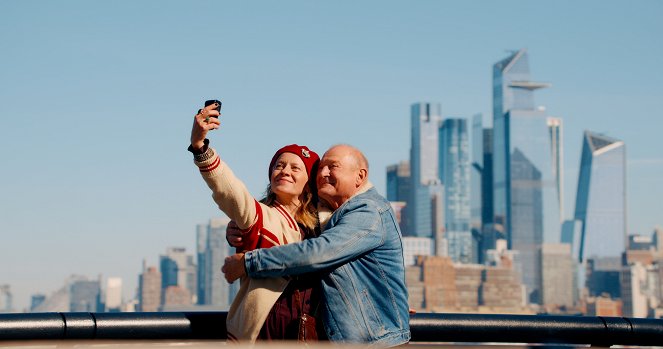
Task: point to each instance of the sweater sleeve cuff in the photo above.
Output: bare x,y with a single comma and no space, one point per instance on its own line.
198,152
208,154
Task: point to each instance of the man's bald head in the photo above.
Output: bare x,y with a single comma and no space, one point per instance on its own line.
357,156
343,171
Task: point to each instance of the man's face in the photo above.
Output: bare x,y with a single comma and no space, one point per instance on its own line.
338,176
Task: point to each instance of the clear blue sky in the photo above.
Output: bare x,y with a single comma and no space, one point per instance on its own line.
96,101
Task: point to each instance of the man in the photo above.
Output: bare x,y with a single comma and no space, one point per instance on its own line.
359,254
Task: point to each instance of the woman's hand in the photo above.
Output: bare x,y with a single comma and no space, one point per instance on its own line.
207,119
234,235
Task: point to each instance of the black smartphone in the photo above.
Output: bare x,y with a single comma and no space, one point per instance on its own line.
212,101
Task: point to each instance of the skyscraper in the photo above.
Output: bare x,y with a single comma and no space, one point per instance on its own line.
571,232
602,276
398,191
425,122
217,290
557,155
84,296
398,181
557,271
149,289
476,173
36,300
526,206
113,296
177,269
201,246
512,87
601,197
437,195
454,152
489,233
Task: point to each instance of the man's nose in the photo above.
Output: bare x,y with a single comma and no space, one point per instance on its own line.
324,171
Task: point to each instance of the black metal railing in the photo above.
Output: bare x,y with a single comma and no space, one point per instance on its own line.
463,328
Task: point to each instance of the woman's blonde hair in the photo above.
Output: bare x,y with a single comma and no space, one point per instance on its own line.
307,213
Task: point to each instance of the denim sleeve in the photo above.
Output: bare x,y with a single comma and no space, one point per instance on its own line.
358,231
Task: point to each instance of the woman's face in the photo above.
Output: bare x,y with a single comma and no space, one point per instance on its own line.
288,178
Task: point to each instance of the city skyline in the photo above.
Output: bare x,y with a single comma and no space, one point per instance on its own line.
102,180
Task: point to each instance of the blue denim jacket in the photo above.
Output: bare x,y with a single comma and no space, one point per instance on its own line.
360,257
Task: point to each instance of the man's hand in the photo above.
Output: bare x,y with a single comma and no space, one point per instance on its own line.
234,268
234,235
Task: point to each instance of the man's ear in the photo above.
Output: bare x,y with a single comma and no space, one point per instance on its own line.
362,175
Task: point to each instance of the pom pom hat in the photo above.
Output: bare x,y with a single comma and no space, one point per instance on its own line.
309,157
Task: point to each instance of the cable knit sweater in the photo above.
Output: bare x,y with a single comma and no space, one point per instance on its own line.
266,227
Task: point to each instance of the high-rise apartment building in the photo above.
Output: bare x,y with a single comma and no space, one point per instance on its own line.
557,270
176,298
178,269
635,289
641,278
416,246
437,284
425,123
604,306
113,294
436,194
149,289
526,206
454,171
601,197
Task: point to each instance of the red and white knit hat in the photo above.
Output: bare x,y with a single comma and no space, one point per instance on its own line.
308,156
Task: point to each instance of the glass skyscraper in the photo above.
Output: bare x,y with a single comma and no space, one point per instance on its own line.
398,181
476,174
556,146
601,197
213,291
454,171
481,189
178,269
217,290
425,122
526,206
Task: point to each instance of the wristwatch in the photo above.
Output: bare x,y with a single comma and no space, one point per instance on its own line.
199,151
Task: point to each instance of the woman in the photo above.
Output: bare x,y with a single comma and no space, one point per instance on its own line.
264,308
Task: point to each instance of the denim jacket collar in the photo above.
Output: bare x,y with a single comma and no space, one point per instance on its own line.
325,212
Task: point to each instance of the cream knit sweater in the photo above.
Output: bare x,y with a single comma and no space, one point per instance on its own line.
266,226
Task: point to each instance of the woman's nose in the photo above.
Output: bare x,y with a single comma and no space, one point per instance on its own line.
286,170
